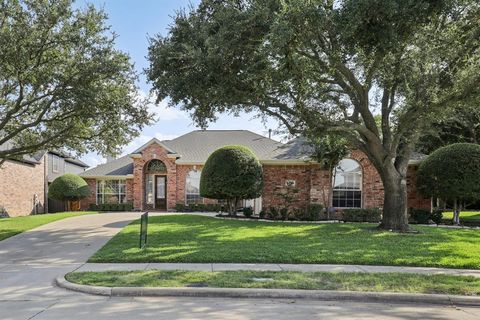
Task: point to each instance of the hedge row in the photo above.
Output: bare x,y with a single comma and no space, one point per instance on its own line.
181,207
111,207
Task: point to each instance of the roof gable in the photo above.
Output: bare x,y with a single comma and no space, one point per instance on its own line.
155,140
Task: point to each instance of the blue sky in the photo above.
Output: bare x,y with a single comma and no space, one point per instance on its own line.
133,21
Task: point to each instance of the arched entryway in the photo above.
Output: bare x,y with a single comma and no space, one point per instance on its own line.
155,173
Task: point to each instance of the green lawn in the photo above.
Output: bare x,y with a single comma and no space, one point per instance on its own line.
187,238
12,226
391,282
467,215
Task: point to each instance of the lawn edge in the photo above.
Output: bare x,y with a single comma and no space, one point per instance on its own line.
325,295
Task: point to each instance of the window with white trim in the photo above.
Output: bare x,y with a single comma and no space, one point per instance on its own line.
347,185
111,191
192,187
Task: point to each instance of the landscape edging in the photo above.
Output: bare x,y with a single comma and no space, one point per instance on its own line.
326,295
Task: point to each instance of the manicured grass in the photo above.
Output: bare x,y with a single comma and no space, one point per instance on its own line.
467,215
188,238
391,282
12,226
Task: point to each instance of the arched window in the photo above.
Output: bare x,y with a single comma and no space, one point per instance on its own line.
156,166
347,185
192,187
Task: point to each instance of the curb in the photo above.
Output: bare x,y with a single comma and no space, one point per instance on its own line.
325,295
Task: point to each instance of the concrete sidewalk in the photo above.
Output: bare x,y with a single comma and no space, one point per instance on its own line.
274,267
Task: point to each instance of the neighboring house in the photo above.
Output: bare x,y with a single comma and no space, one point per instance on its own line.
24,182
161,174
58,164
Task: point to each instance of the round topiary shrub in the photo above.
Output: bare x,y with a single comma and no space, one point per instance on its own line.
451,173
232,173
68,187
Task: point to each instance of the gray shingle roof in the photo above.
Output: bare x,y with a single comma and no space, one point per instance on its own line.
32,159
195,147
118,167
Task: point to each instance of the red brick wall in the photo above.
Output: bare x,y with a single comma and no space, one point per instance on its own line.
182,172
311,180
153,151
275,177
415,199
314,183
91,199
372,186
19,182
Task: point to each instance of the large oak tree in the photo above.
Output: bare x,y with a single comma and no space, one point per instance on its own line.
63,85
323,66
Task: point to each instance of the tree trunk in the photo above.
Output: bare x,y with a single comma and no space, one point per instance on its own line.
395,216
456,212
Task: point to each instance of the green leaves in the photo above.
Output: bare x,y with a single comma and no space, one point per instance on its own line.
62,82
232,172
451,172
68,187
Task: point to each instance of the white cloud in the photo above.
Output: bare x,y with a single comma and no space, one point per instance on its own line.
93,159
161,111
135,144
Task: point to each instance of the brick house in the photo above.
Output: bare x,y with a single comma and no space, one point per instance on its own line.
24,182
161,174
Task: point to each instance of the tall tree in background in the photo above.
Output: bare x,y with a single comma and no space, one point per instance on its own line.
327,66
62,82
461,124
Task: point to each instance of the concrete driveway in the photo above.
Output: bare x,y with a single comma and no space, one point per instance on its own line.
29,263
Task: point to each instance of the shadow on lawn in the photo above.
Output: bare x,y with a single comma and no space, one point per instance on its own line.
201,239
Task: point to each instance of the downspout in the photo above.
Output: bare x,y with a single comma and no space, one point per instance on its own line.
45,183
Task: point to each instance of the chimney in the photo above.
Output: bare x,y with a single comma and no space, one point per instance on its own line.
269,133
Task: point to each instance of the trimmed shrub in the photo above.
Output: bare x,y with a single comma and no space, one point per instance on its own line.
232,173
284,213
420,216
273,213
210,207
451,173
248,212
314,211
201,207
262,214
68,187
362,215
423,216
437,216
111,207
180,207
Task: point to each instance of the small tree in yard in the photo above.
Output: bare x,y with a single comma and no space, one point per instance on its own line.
232,173
69,187
452,173
328,151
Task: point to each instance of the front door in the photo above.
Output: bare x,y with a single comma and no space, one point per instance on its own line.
161,192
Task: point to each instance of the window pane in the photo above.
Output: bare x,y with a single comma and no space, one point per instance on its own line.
149,187
347,185
111,191
192,188
160,187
